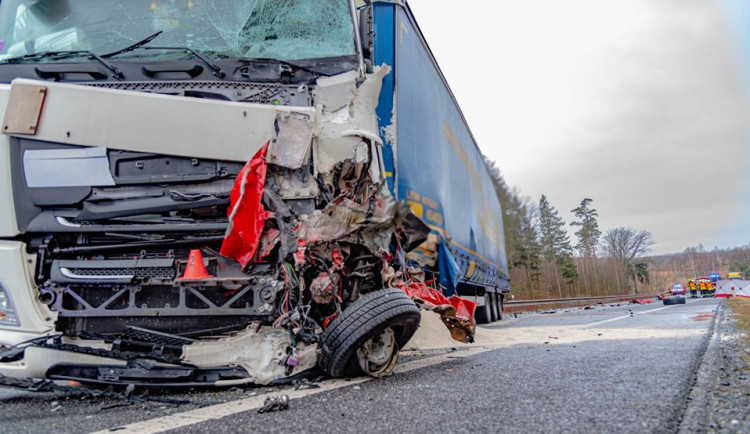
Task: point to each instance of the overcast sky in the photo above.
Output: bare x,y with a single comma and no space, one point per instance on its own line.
641,105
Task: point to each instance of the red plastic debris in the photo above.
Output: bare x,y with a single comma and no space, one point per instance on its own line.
457,313
464,308
643,301
246,213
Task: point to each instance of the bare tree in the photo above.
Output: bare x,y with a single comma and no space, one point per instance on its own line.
626,245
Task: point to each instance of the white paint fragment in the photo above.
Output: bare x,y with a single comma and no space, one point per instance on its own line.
334,93
390,131
346,118
262,354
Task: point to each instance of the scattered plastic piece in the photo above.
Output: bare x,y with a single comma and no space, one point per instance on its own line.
279,403
644,301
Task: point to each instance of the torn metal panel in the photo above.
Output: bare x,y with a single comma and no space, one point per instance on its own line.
291,148
246,213
346,118
426,254
263,354
457,313
369,223
334,93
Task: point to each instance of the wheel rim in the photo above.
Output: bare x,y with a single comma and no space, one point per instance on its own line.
379,355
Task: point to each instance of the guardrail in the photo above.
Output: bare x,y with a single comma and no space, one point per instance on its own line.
609,298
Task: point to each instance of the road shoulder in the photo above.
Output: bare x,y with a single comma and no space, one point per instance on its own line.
720,397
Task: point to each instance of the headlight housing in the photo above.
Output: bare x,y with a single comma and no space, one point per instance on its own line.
7,310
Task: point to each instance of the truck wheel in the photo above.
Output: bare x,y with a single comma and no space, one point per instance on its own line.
497,311
676,300
366,337
483,314
493,309
499,304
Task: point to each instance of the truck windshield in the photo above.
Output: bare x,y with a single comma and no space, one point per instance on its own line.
279,29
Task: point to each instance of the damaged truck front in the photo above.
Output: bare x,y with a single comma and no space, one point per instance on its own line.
219,192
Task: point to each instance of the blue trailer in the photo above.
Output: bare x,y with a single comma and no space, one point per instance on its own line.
236,190
436,164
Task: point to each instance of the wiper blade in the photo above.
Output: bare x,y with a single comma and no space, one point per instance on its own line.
137,45
58,55
285,63
214,67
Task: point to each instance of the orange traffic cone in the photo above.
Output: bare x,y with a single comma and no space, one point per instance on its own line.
195,269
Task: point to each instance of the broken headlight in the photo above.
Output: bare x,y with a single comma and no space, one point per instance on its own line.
7,311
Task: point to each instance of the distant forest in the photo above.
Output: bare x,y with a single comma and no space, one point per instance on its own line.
543,262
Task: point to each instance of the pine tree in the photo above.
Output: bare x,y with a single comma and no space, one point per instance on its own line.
553,238
555,244
529,252
589,233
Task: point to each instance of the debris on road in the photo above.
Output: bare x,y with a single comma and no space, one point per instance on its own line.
279,403
304,384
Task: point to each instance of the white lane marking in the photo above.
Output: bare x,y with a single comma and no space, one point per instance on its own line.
218,411
618,318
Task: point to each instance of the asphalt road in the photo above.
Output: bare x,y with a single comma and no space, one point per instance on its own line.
627,368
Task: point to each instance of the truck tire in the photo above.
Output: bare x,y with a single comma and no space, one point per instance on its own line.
366,337
497,312
676,300
499,304
483,314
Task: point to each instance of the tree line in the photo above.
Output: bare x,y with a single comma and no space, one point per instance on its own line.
698,261
543,262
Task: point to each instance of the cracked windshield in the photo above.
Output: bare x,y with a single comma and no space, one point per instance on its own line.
285,30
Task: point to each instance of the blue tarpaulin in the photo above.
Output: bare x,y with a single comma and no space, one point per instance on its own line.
449,270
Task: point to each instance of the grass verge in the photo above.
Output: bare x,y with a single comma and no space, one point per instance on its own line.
741,308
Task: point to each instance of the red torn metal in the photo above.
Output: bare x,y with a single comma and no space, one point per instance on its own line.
268,241
246,213
643,301
456,313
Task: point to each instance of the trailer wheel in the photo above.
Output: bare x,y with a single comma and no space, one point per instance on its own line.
483,314
496,309
366,337
499,305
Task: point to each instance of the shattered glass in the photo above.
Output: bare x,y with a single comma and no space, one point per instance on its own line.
286,29
281,29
